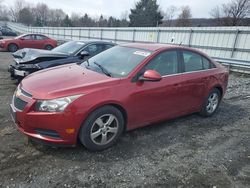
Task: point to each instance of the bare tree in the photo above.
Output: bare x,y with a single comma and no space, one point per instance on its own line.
169,15
233,13
25,16
216,14
42,12
16,8
3,11
75,18
59,16
184,17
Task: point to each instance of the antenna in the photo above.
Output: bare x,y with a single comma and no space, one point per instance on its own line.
180,43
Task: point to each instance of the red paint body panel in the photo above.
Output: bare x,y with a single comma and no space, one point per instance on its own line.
143,102
38,44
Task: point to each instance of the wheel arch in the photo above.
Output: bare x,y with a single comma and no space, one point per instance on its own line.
14,44
48,44
114,104
220,88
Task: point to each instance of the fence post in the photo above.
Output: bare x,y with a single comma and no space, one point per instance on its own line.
80,31
115,35
89,33
235,42
190,37
71,33
134,35
64,33
158,36
101,34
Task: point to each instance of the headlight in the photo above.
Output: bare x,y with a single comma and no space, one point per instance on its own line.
55,105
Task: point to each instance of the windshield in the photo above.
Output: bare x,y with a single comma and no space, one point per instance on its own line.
69,47
18,37
117,61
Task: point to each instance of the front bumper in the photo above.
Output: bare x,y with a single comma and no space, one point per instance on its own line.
15,73
46,127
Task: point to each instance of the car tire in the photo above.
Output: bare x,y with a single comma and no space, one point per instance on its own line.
211,103
102,128
48,47
12,48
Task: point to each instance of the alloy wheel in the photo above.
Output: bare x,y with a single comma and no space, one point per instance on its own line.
212,102
104,129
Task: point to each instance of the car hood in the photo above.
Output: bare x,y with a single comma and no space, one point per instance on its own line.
64,81
28,55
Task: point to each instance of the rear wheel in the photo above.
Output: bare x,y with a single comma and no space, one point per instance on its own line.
48,47
102,128
12,47
211,103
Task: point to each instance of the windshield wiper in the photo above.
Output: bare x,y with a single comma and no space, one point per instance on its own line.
105,71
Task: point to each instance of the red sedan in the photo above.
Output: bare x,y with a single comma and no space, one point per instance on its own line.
123,88
28,41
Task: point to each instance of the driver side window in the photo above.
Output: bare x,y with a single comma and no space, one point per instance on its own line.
165,63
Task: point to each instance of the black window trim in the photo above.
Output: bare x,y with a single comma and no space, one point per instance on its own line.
211,65
87,45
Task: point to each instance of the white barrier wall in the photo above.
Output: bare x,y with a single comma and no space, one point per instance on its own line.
222,42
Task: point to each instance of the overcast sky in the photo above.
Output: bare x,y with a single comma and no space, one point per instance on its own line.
200,8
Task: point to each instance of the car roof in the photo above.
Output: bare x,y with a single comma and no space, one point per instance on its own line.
147,46
97,41
160,46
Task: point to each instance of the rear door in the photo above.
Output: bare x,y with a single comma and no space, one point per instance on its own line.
40,41
27,41
195,77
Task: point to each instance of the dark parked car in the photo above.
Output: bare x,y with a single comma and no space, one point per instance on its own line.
37,41
7,31
123,88
28,61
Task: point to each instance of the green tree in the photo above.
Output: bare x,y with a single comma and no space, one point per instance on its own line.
67,22
145,14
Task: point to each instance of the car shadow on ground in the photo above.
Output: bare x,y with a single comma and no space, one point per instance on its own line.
154,137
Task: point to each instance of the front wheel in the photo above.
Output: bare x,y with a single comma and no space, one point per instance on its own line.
102,128
211,103
12,48
48,47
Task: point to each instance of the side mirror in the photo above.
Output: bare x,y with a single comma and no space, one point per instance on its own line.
84,54
21,38
150,75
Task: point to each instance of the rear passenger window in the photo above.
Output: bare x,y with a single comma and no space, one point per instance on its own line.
192,61
166,63
207,64
40,37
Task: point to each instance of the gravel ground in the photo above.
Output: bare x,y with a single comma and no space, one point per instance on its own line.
190,151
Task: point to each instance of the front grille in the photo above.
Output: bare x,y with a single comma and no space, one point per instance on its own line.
19,103
48,133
